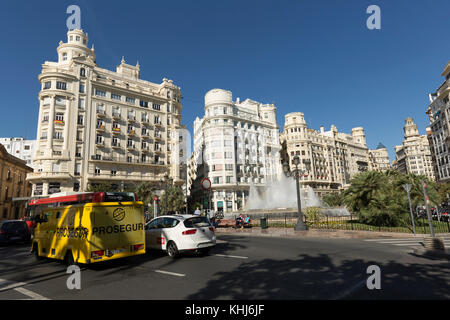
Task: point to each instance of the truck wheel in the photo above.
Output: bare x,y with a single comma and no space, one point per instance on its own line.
172,249
68,259
36,252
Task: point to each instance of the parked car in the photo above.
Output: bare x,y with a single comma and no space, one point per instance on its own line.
176,234
14,231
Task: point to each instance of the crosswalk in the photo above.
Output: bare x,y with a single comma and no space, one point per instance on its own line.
406,242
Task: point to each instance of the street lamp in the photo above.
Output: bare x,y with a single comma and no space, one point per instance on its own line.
296,173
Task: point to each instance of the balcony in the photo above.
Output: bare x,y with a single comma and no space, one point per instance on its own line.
131,146
101,113
116,116
145,121
100,128
131,132
158,124
100,143
116,130
116,145
157,136
131,119
59,122
146,149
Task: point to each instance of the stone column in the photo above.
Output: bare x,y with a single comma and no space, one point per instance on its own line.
51,119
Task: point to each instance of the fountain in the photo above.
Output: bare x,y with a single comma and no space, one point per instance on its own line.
279,199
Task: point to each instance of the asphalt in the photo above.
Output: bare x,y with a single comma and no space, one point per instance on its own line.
241,267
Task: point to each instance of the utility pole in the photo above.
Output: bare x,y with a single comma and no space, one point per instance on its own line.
408,190
427,203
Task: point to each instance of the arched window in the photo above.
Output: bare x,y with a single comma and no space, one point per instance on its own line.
82,72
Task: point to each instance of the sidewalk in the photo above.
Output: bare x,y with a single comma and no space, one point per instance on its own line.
319,233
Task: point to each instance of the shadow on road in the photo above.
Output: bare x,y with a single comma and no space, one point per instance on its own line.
317,277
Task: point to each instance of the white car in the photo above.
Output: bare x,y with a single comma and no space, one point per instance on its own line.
180,233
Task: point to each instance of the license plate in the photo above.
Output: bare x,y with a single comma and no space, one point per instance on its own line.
205,244
110,253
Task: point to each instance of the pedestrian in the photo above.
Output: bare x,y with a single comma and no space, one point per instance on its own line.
147,216
197,212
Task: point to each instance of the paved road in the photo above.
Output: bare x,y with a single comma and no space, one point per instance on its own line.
239,267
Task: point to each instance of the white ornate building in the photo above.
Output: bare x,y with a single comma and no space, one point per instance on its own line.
236,145
97,125
414,155
439,115
328,159
20,148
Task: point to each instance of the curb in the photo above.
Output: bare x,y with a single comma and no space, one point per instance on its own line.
316,233
440,254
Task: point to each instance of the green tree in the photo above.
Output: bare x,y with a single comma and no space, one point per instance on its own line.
380,198
334,199
175,199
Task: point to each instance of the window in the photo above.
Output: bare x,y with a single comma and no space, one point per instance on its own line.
130,100
80,120
58,135
61,85
156,106
81,88
113,172
64,56
59,117
81,104
116,96
47,85
100,93
143,103
76,186
97,171
82,72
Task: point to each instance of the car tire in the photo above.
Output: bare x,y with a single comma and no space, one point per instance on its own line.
172,250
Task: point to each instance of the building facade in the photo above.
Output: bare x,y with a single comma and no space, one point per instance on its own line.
414,155
13,184
20,148
236,145
329,159
100,126
379,159
439,116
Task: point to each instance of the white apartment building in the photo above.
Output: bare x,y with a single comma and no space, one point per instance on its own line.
20,148
379,158
101,126
329,159
236,145
414,155
439,115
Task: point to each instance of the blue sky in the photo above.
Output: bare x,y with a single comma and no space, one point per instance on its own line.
317,57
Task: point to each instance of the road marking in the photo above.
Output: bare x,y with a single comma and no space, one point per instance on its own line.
229,256
171,273
8,285
31,294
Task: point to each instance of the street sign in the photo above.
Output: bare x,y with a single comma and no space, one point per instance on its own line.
206,184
